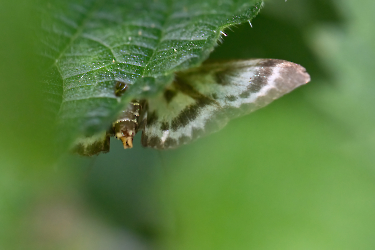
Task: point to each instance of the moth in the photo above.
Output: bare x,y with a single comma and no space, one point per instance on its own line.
199,101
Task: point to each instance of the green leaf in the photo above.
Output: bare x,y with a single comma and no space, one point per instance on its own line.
92,44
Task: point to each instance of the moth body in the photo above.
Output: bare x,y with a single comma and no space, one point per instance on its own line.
128,123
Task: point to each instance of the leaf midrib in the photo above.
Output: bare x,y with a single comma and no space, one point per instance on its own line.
163,29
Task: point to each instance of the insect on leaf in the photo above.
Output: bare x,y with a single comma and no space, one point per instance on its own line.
91,45
202,100
121,67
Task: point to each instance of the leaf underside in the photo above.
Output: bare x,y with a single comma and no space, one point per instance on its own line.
91,44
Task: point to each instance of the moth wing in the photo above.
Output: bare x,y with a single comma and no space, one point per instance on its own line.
92,145
204,99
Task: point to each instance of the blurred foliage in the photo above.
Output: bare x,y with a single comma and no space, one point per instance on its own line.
298,174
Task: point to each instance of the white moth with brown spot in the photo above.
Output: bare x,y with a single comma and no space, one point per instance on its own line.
202,100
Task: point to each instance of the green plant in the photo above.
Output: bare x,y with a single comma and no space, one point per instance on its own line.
295,175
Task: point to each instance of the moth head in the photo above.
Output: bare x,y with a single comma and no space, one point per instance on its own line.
125,131
127,141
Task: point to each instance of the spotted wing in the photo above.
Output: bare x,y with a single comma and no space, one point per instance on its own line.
92,145
204,99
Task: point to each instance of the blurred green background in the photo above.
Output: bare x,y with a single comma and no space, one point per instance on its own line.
298,174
